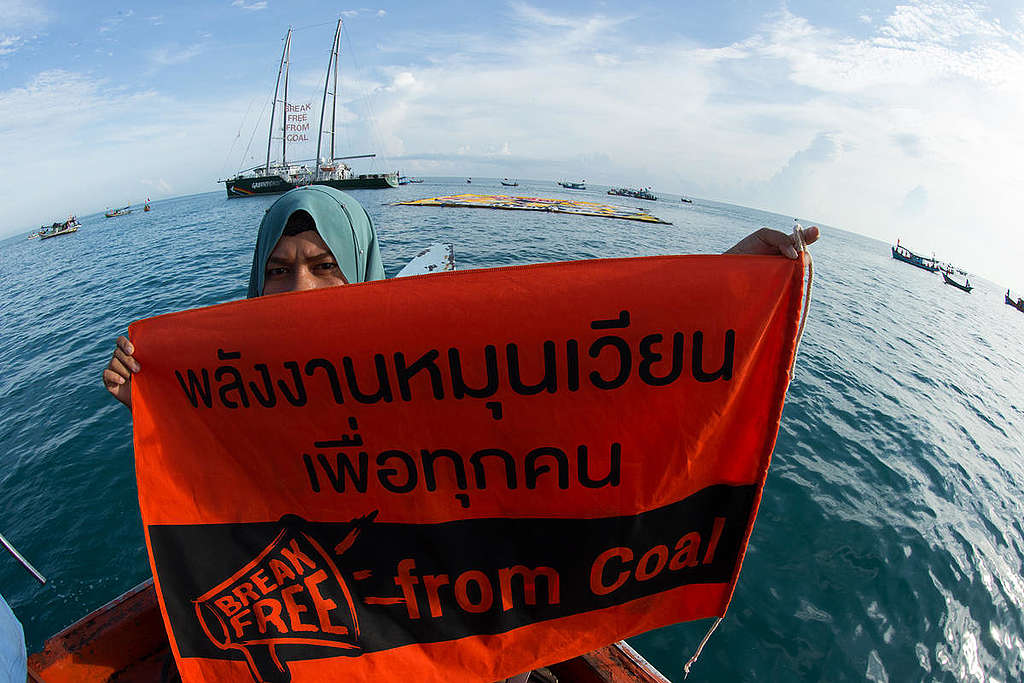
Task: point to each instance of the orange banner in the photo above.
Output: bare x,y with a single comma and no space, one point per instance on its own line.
459,476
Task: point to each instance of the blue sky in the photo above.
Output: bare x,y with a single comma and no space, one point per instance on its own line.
889,119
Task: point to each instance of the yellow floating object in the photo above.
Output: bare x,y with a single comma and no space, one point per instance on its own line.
497,201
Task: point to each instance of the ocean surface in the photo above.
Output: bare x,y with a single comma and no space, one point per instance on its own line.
889,543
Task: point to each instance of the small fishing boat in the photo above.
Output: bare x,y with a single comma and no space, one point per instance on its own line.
1018,304
147,207
901,253
405,180
966,286
684,199
469,180
569,185
123,211
641,193
66,228
510,183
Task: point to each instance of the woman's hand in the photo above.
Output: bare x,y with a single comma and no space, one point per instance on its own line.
117,378
768,242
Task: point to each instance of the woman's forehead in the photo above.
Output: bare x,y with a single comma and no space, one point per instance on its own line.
304,243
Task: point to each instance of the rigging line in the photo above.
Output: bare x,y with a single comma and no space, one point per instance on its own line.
378,140
238,135
244,162
326,23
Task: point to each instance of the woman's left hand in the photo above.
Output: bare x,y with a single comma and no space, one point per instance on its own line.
768,242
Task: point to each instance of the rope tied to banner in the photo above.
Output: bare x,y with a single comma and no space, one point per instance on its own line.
801,244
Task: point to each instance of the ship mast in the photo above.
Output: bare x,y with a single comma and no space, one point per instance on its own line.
332,87
283,68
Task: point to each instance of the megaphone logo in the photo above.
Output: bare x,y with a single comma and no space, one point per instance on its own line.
291,596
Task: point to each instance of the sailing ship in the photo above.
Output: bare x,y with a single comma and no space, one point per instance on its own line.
67,227
123,211
275,177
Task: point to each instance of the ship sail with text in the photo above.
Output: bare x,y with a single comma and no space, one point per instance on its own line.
280,175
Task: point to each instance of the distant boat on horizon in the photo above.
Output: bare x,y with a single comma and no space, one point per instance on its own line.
641,193
569,185
67,227
901,253
966,286
510,183
123,211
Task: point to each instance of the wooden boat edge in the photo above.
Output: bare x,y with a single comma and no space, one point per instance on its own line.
125,640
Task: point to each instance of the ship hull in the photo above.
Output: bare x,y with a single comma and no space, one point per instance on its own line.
247,187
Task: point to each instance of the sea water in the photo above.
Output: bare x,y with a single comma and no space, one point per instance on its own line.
889,541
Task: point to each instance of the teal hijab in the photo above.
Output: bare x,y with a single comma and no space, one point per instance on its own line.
342,222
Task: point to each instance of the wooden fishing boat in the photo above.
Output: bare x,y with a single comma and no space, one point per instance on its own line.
966,286
901,253
123,211
570,185
1018,304
125,641
510,183
66,228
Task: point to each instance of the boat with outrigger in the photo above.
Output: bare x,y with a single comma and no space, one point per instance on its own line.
406,180
901,253
635,193
277,176
66,228
122,211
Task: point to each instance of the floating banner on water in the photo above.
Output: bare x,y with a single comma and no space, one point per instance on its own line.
488,201
459,476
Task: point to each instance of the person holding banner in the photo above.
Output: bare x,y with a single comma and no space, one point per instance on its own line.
317,236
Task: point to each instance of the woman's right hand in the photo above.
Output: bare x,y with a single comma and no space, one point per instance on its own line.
117,378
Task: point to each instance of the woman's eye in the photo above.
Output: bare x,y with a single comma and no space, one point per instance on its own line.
327,266
273,272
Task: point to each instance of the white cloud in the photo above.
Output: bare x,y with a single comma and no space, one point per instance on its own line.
252,6
18,14
9,44
174,54
139,142
796,118
113,23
